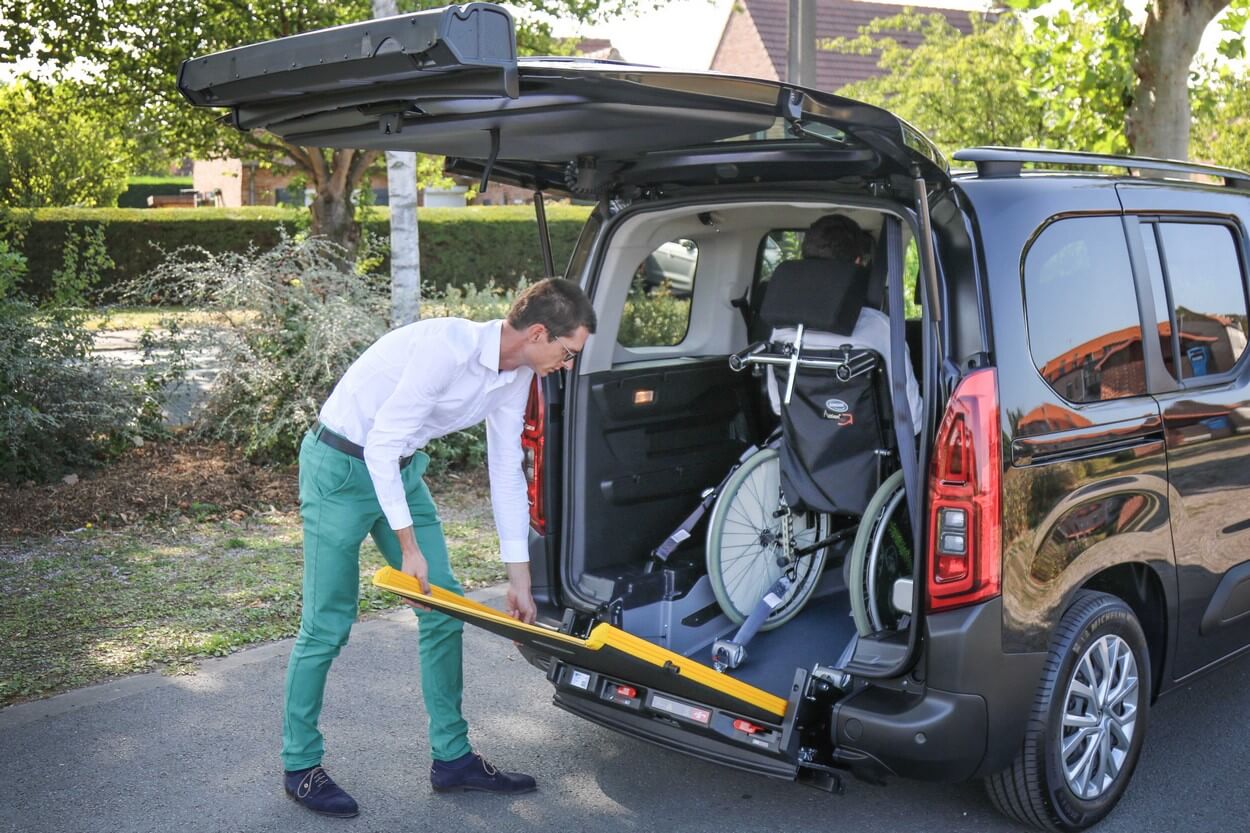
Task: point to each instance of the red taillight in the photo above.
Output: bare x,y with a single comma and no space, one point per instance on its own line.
965,530
532,435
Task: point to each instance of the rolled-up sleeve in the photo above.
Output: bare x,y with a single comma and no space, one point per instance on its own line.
426,375
507,478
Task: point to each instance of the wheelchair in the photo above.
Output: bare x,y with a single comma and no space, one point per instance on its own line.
822,476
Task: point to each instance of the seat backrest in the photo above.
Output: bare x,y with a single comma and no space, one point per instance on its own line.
820,294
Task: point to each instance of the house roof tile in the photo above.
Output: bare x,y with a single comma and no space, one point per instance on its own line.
834,19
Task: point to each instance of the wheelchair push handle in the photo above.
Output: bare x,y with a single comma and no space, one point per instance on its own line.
740,360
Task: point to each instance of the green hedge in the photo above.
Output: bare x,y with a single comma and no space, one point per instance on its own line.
459,246
139,188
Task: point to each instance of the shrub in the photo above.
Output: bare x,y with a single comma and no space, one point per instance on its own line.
136,239
459,246
55,151
652,319
308,321
294,323
12,268
60,407
84,259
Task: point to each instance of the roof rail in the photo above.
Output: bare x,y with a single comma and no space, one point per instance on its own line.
993,162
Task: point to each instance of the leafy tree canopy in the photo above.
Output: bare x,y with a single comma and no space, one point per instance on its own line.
1001,84
54,152
130,51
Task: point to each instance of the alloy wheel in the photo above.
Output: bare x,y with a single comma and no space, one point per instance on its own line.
1099,716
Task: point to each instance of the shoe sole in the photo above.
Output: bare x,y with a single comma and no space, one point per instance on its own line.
460,789
291,796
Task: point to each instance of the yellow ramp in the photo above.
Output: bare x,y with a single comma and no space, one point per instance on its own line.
607,650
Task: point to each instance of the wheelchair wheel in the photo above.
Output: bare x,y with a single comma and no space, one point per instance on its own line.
881,554
745,544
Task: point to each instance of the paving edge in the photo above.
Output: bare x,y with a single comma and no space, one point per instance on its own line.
21,714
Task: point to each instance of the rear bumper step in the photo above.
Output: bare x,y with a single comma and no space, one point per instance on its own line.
675,737
694,728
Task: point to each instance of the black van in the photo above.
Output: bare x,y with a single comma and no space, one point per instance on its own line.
1058,535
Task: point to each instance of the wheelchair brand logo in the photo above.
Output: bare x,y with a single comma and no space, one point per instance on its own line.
839,412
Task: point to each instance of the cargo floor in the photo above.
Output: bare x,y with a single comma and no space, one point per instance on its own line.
817,635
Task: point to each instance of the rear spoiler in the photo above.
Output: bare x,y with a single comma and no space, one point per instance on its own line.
411,51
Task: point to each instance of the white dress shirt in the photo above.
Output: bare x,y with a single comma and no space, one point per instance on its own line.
426,380
872,331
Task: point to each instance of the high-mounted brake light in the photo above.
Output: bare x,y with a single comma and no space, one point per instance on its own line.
965,527
532,442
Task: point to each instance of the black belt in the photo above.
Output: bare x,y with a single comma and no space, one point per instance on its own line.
340,443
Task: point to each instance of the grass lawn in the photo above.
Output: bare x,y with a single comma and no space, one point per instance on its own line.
83,607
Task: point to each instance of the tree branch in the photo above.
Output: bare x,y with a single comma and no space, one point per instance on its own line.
280,147
342,162
321,174
360,164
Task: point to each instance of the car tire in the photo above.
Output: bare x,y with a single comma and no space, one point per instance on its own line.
1099,643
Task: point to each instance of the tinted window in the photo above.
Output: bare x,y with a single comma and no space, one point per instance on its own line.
1207,291
657,311
1084,330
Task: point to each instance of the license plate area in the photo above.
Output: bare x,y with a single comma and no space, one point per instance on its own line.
676,711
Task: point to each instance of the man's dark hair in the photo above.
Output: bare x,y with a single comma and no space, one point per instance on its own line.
557,304
836,237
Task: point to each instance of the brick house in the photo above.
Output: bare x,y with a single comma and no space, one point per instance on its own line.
755,38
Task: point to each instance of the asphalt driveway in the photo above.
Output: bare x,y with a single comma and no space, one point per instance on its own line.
153,753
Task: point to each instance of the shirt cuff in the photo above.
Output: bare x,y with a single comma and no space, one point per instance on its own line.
513,552
398,515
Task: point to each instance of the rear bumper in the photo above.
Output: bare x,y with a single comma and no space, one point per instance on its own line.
934,736
966,720
963,718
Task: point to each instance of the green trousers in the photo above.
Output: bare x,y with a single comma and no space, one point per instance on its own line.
339,508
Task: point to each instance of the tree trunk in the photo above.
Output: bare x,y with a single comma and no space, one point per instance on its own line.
334,217
334,180
401,187
1157,122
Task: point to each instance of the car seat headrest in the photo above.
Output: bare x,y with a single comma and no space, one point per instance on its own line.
820,294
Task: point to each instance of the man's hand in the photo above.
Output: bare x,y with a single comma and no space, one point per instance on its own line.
520,599
414,562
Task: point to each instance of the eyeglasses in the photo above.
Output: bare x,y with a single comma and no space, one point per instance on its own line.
569,355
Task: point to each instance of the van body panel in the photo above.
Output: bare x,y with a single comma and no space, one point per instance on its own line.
1206,422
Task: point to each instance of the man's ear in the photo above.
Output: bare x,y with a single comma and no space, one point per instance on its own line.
536,333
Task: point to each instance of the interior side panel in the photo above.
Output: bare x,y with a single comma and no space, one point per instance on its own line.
656,435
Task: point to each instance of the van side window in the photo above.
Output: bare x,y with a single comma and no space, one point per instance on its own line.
1202,314
657,311
1084,331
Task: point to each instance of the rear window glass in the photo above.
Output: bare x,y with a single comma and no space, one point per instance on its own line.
657,311
1208,296
1084,330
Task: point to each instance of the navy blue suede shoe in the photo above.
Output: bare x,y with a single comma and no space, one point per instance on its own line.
473,772
317,791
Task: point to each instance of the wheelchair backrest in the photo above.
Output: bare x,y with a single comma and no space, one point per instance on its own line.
833,428
817,293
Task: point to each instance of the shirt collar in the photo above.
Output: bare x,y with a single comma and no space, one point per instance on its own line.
488,348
